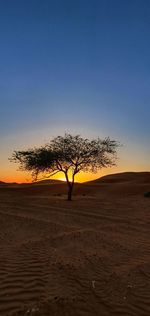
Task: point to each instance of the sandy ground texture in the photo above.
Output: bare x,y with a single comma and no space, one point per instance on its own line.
87,257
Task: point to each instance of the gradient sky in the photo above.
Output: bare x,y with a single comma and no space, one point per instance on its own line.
80,66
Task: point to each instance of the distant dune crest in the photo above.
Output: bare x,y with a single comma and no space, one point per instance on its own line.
124,177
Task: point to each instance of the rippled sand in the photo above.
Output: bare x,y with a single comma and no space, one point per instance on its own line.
87,257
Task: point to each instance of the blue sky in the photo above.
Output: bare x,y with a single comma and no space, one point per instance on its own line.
77,66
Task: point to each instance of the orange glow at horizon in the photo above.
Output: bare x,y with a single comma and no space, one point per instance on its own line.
10,174
24,177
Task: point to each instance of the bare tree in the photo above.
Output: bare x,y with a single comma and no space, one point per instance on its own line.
70,155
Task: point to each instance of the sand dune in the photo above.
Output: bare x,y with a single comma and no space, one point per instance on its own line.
126,177
87,257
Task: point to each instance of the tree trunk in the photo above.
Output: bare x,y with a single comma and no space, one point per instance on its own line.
70,187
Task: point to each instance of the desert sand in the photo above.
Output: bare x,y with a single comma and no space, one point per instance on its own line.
87,257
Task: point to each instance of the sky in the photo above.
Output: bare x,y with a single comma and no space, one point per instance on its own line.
79,66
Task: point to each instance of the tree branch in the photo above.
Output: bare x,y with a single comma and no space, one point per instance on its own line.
47,177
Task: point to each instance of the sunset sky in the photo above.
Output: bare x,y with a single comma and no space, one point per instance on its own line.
77,66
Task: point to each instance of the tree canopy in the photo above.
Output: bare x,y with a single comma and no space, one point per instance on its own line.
68,154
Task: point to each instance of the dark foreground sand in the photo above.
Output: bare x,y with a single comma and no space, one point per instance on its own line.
87,257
